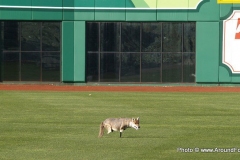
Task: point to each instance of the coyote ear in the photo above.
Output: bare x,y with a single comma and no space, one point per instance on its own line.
138,118
133,119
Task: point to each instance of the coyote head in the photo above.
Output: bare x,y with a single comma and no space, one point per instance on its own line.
135,123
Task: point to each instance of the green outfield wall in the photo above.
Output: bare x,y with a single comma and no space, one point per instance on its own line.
74,14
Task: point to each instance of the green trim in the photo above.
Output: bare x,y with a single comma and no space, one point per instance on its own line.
139,5
79,51
207,52
73,51
67,51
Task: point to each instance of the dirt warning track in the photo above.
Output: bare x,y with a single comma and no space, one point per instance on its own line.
109,88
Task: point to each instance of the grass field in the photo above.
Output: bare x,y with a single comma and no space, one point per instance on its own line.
65,125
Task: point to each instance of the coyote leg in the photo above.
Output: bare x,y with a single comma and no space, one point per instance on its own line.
121,130
109,129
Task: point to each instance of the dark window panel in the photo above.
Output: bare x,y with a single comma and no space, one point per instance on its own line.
189,63
30,37
172,37
92,36
109,67
130,67
11,36
51,36
151,67
110,36
130,37
172,67
30,66
189,39
92,67
151,37
51,66
162,58
11,66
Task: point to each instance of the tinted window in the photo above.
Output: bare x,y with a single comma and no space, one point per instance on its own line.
23,46
141,52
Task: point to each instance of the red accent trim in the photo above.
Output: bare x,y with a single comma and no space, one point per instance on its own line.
237,36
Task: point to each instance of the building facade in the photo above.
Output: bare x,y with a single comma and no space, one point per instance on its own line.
120,41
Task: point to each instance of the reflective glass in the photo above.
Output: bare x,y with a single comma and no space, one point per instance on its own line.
11,36
189,43
172,37
130,67
92,36
150,67
172,67
110,37
130,37
92,67
151,37
11,66
30,36
109,67
189,64
50,36
30,39
141,52
30,66
51,66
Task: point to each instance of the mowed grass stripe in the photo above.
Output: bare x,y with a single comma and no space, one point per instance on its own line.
65,125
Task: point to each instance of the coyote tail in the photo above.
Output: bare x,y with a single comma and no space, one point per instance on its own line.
101,130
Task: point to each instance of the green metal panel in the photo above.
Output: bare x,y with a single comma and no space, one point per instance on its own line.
68,14
84,3
55,3
235,78
68,3
129,3
84,14
78,14
172,15
225,11
139,15
16,2
207,50
79,51
207,11
47,14
111,15
67,51
117,15
14,13
73,51
225,75
236,6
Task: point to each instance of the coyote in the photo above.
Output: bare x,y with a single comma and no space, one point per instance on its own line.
118,124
